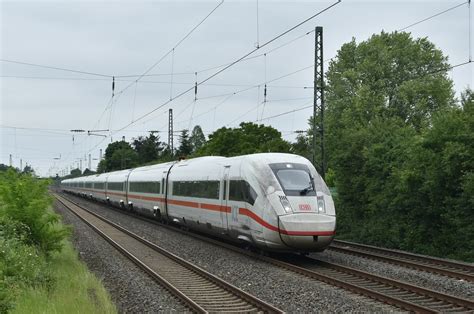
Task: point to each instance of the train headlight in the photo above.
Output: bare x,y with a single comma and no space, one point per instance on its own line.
286,204
321,205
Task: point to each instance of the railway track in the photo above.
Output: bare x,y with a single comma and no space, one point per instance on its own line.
438,266
396,293
201,291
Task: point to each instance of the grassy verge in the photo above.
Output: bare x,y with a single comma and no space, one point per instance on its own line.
75,289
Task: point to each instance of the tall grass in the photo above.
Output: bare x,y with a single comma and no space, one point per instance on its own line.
75,289
39,270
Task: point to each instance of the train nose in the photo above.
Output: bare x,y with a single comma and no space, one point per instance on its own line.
307,231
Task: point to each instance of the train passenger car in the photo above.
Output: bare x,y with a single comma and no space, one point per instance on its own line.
146,189
116,187
97,191
272,201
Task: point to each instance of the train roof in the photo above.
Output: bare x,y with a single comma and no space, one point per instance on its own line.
266,158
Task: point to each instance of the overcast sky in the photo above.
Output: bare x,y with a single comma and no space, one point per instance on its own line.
117,38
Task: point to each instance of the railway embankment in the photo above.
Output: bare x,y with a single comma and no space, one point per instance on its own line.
40,271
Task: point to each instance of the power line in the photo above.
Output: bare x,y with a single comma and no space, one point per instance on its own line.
426,74
251,87
224,64
469,32
219,71
174,47
142,81
55,68
270,41
286,112
433,16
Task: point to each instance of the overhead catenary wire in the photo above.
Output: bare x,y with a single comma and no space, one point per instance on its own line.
434,15
175,46
55,68
237,61
252,87
213,108
258,30
286,112
469,32
415,78
171,77
270,41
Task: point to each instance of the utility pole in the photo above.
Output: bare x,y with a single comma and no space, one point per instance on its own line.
21,164
318,104
80,167
11,160
170,131
100,154
89,162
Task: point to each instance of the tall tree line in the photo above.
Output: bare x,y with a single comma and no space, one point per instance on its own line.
400,147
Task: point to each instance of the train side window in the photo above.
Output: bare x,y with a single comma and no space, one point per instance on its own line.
241,191
145,187
201,189
116,186
99,185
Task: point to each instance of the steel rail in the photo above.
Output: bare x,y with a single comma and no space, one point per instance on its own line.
329,279
248,303
434,265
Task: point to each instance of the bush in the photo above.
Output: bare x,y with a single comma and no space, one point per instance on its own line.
25,199
29,233
21,265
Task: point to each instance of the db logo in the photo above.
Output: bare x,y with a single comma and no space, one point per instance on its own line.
305,207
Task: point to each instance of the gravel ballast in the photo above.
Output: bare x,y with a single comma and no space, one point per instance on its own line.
448,285
284,289
130,288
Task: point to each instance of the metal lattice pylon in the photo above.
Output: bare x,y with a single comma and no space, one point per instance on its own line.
318,105
170,131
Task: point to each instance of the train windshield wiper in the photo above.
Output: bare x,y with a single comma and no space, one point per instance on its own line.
307,189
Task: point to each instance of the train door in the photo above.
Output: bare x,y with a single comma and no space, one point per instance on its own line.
127,200
225,199
164,191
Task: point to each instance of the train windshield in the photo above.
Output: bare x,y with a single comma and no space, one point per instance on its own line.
295,179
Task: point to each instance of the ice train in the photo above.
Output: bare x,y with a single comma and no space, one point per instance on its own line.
272,201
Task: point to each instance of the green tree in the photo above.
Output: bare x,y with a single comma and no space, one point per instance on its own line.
88,172
249,138
382,96
25,199
440,178
118,155
28,169
148,148
302,146
75,173
102,166
197,138
185,146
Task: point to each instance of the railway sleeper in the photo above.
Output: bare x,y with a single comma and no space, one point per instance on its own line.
214,300
219,308
234,303
213,297
199,288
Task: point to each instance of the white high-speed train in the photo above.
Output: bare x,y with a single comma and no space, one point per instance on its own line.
273,201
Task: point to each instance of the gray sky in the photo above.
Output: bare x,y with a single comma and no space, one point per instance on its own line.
127,37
